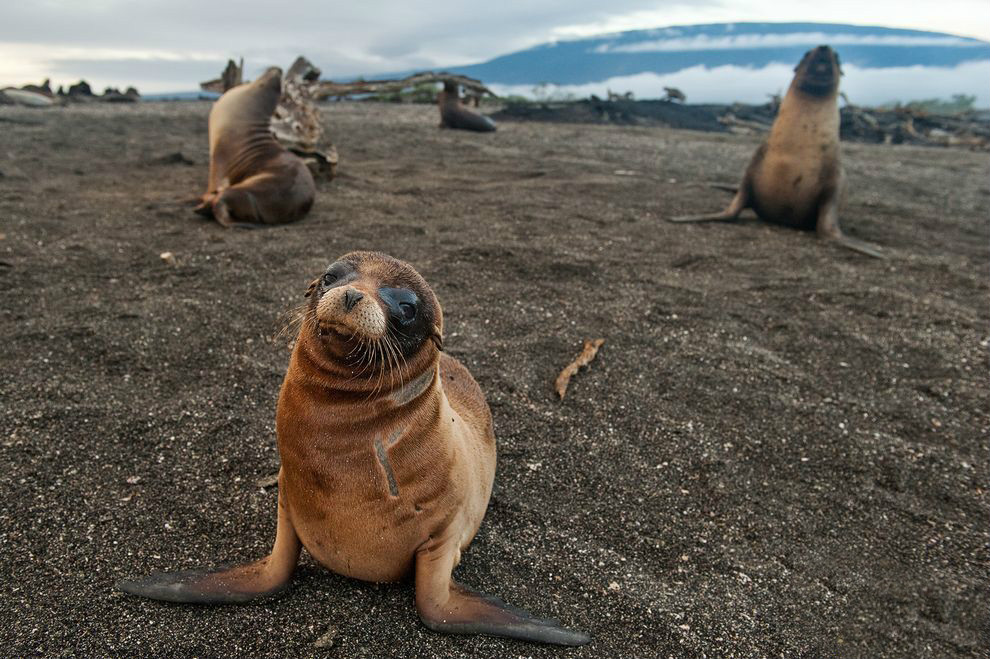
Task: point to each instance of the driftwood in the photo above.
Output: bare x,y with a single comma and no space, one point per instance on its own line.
296,121
42,96
879,125
232,76
613,96
591,347
872,125
909,126
673,94
330,89
31,99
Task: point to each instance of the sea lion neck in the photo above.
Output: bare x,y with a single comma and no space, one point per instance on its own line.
396,382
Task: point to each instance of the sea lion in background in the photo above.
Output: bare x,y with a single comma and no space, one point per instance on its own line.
795,177
254,180
454,114
388,457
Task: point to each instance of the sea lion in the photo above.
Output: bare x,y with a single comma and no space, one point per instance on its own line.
453,113
388,457
254,180
795,177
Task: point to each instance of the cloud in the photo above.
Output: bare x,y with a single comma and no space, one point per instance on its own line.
755,41
342,38
347,39
728,84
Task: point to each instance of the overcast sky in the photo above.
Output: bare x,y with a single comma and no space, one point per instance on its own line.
170,45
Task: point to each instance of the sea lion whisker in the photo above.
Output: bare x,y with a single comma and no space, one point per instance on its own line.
400,366
393,362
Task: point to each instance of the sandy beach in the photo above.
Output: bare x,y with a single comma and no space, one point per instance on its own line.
781,449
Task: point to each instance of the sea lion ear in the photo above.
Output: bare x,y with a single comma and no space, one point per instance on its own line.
312,287
437,338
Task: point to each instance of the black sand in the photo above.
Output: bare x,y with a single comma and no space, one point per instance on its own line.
780,451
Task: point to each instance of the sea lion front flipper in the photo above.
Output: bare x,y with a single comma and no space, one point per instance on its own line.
828,228
234,585
448,607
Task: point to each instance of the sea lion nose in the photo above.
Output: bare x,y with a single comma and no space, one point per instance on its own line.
351,297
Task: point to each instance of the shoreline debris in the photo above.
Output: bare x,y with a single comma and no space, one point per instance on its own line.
901,125
296,121
330,89
588,353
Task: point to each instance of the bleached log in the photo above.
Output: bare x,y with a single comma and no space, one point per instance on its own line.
331,89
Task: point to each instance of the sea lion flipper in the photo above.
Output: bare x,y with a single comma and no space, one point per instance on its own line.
448,607
859,246
730,214
226,585
828,228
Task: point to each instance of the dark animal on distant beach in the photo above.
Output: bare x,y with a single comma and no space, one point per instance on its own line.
795,178
453,113
254,180
388,458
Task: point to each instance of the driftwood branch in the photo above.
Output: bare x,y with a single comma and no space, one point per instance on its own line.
232,76
296,121
330,89
591,347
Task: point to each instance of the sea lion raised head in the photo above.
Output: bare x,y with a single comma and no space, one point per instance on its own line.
367,302
253,179
818,72
454,114
795,177
388,457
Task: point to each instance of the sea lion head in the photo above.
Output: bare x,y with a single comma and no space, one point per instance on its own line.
370,307
270,80
266,89
818,72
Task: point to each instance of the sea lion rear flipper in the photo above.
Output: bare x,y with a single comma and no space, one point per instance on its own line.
234,585
730,214
448,607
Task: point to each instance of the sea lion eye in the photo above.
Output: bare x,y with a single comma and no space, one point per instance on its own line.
402,304
329,278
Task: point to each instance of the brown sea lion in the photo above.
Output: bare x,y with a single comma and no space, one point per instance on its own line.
254,180
454,114
795,178
388,457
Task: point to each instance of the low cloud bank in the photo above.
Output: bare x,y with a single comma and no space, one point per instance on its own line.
729,84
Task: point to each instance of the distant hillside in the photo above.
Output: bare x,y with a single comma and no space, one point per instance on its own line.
727,62
756,45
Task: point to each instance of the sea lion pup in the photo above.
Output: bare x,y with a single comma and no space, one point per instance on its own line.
795,177
388,457
254,180
453,113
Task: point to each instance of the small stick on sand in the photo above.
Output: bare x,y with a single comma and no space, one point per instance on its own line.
268,481
591,347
